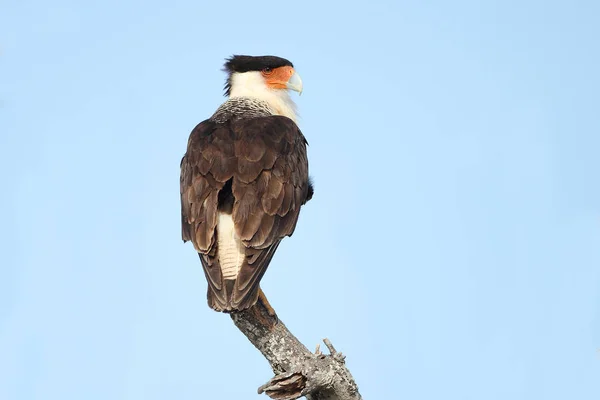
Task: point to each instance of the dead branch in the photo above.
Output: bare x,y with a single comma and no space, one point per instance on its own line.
298,372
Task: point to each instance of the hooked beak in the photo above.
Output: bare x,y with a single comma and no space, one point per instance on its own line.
295,83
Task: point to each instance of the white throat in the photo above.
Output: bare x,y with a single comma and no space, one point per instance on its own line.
252,84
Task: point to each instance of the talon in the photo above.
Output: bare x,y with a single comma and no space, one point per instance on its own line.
263,299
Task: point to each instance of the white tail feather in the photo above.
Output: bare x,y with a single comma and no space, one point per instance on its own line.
230,248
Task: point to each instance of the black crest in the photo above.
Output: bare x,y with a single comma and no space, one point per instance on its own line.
239,63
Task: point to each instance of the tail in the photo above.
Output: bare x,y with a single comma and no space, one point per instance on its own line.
224,295
221,301
233,269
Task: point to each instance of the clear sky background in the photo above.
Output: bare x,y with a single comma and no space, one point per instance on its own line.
451,250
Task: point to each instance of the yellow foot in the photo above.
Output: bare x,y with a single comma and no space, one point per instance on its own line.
263,299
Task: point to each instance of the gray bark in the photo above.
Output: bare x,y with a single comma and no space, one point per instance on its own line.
298,372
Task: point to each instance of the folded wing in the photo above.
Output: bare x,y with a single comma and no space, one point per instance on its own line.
259,166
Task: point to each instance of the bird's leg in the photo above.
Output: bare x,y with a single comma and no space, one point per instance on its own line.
263,299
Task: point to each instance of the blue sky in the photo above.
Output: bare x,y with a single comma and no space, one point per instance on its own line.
451,250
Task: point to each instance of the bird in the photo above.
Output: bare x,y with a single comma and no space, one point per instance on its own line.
244,177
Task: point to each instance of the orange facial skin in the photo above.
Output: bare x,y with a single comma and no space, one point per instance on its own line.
277,78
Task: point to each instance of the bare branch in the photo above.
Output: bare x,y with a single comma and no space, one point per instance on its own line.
298,372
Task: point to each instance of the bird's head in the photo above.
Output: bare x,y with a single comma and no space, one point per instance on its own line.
248,73
266,78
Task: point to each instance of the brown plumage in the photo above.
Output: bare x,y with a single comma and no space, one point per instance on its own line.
255,169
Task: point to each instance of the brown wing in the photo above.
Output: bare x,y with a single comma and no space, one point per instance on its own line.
269,187
207,165
265,159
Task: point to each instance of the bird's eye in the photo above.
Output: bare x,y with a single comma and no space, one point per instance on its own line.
267,71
